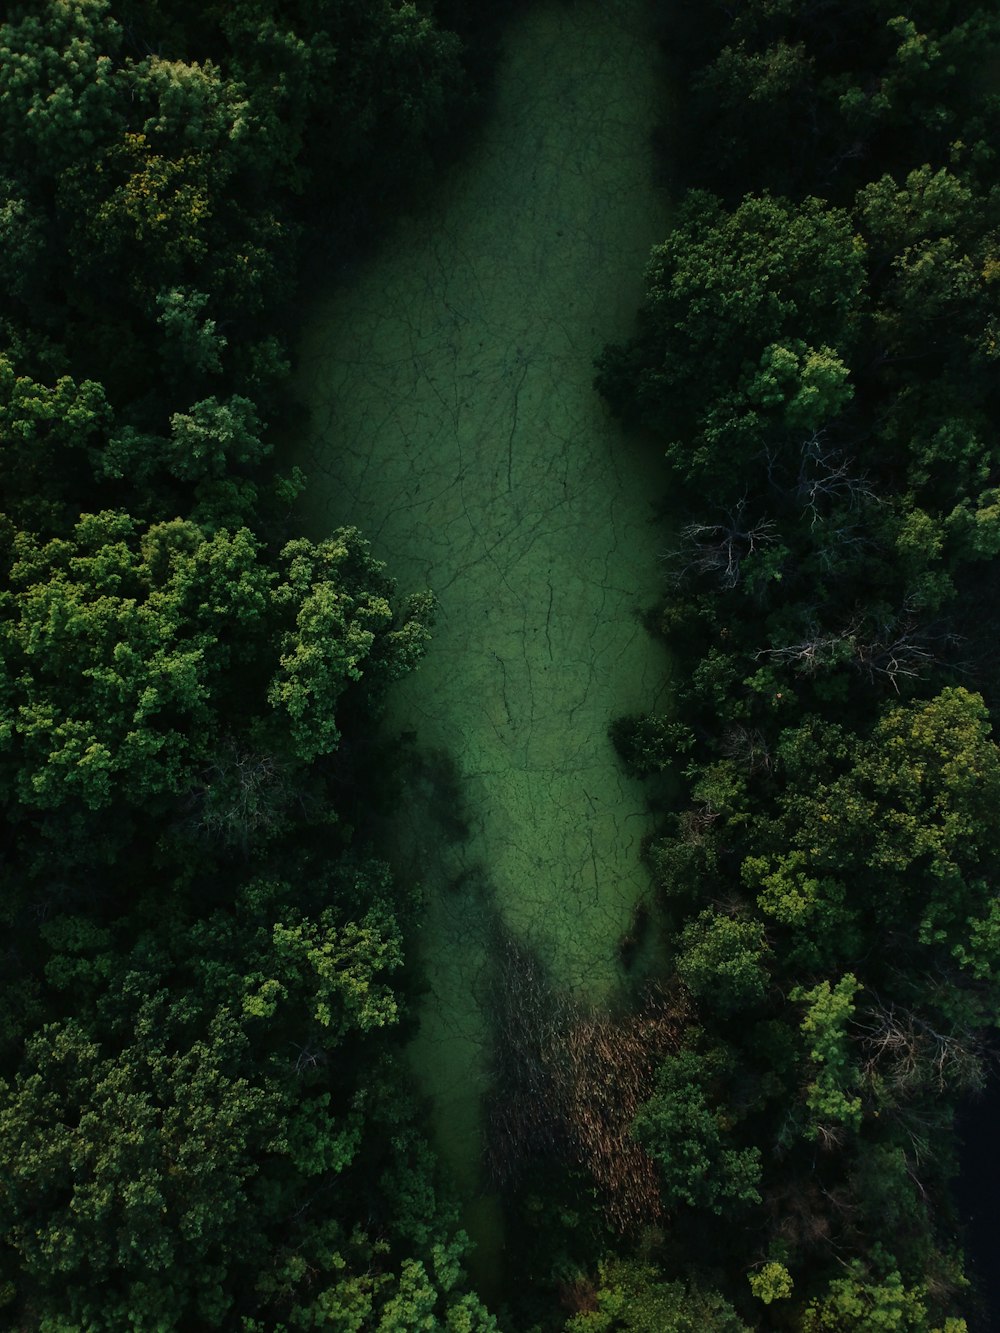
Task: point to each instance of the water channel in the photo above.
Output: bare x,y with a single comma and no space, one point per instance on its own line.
454,421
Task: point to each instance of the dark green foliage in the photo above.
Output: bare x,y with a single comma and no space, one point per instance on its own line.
204,1090
153,159
160,671
719,959
903,817
48,436
686,1137
805,97
815,352
632,1298
650,744
746,318
203,1114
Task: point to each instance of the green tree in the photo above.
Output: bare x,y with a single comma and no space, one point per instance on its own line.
58,92
113,638
754,303
901,815
772,1282
930,234
134,656
48,436
830,1097
335,601
22,240
632,1297
720,961
191,343
683,1128
189,1144
873,1302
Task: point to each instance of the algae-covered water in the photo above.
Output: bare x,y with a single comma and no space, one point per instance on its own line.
454,421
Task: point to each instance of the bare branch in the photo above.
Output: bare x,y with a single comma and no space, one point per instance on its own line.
241,795
907,1054
717,550
747,748
891,649
816,650
826,480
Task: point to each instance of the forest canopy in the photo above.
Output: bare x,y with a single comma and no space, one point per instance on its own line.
816,351
204,1117
207,981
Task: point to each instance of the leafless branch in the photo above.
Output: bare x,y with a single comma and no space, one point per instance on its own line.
891,649
747,748
717,550
816,650
826,479
904,655
908,1054
242,793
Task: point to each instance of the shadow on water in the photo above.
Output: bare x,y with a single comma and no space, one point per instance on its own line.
433,785
426,836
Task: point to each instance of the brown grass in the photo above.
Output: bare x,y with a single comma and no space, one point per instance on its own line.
568,1083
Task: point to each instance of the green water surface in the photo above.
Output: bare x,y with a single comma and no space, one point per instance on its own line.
454,421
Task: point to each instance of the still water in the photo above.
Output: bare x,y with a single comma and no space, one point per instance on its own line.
454,421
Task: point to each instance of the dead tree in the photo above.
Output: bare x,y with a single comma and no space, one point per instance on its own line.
717,550
242,794
747,748
607,1070
696,823
827,480
890,649
909,1055
816,650
897,650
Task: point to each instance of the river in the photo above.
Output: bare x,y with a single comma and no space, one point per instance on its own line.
449,378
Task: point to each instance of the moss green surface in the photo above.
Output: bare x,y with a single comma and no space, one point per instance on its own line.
454,420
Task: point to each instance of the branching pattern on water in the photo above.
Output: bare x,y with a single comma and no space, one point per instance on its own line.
455,422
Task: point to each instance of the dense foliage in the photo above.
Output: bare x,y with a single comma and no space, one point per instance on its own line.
817,351
204,1117
204,1120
